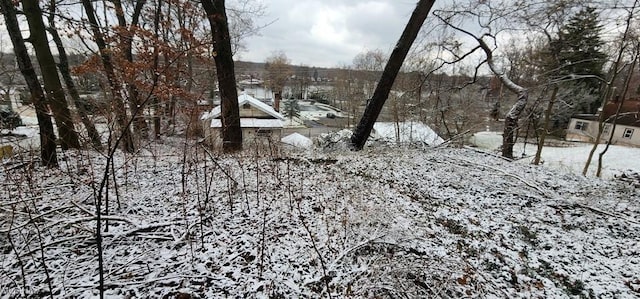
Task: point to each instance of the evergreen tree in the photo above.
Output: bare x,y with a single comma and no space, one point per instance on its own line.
291,108
580,52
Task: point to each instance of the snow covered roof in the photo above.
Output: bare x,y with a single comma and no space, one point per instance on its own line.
243,99
297,140
251,123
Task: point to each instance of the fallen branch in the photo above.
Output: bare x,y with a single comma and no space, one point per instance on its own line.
592,209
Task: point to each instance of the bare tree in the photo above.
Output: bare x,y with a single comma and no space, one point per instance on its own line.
63,67
623,44
231,130
47,135
369,65
372,111
278,72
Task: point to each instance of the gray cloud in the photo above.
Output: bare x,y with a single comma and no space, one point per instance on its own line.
327,33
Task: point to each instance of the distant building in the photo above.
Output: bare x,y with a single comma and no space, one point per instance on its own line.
584,127
259,122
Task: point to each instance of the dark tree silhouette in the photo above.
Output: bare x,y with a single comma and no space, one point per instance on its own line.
47,135
380,95
63,67
50,78
231,131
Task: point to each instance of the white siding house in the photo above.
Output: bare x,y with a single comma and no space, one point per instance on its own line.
259,122
584,128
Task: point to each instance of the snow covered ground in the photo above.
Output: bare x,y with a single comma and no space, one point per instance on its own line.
572,158
385,222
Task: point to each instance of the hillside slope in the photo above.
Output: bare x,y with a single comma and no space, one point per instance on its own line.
387,222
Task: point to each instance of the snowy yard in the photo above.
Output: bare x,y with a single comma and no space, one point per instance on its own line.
617,161
385,222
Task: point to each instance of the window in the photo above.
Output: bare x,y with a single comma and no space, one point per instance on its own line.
581,125
627,133
246,106
607,129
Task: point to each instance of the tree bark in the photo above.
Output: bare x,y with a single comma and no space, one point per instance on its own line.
511,124
513,116
381,93
52,85
545,125
231,130
121,112
47,134
63,67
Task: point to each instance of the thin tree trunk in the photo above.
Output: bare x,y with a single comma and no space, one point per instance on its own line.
52,85
605,94
231,130
47,134
615,119
156,74
381,93
545,125
126,39
121,111
63,67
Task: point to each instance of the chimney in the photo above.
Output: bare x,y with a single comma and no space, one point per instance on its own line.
276,101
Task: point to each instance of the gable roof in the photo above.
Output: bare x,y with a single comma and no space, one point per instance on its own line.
243,99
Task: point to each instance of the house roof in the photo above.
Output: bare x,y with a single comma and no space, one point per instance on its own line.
260,123
242,100
627,119
591,117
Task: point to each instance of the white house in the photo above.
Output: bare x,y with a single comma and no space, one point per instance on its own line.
259,122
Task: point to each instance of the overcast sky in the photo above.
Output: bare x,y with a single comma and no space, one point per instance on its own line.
327,33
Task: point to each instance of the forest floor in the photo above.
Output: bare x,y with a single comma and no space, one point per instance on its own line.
385,222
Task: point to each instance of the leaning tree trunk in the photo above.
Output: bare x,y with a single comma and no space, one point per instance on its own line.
511,124
625,90
381,93
609,86
63,66
513,116
121,112
231,131
47,135
545,125
52,85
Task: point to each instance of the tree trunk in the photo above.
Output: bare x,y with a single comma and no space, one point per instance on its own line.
231,130
617,115
511,124
63,67
47,135
381,93
607,89
126,39
52,85
121,112
545,125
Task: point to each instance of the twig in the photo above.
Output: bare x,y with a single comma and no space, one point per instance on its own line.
315,248
31,219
